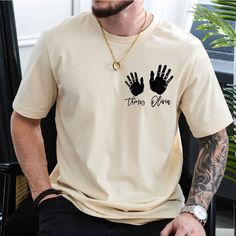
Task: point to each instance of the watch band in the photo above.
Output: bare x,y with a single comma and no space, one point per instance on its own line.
190,210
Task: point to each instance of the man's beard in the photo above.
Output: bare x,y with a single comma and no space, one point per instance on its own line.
111,11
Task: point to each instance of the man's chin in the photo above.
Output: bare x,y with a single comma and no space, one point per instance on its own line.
103,12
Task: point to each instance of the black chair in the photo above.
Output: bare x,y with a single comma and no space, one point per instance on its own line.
10,77
25,213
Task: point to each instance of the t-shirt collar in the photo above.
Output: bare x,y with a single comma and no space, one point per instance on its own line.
123,39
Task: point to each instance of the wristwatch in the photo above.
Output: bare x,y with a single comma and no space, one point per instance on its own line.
198,212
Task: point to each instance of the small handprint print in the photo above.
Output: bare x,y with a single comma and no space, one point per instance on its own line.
133,83
159,83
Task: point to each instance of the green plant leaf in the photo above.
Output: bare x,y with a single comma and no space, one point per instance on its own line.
225,3
219,40
223,44
206,26
208,35
220,45
230,157
230,178
231,170
227,10
233,145
231,164
217,26
231,149
228,18
233,138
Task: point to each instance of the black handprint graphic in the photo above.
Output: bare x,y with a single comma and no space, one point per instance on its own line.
159,83
133,83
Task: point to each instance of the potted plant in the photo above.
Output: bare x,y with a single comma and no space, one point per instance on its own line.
216,25
221,34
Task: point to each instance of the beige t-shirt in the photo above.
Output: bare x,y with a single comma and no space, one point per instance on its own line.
118,146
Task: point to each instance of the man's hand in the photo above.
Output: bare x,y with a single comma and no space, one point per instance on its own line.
159,83
184,225
133,83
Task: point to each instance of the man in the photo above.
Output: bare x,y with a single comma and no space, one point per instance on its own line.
120,79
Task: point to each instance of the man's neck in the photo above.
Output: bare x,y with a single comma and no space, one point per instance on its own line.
128,22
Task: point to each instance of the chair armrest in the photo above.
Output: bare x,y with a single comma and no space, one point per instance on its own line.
10,168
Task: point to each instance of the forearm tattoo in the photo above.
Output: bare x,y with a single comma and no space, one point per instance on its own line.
209,168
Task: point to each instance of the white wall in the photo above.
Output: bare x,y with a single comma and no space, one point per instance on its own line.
33,17
176,11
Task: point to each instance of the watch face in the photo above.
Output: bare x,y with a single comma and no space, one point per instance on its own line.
200,212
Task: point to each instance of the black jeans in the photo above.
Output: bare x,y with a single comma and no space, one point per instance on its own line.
59,217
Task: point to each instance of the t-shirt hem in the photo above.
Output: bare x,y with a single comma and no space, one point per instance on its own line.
27,113
125,219
213,128
142,221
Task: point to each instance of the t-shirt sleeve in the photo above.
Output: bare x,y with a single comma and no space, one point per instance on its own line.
203,102
38,89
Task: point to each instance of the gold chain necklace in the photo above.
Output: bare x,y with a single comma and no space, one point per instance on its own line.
117,64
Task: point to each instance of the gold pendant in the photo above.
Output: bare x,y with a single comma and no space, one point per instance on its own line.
116,65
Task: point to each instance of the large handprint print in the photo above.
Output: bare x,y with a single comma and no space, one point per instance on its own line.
133,83
159,83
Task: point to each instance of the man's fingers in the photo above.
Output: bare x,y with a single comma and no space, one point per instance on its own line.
168,81
167,74
159,71
132,76
136,76
183,225
181,231
168,229
141,80
127,84
152,76
163,71
130,81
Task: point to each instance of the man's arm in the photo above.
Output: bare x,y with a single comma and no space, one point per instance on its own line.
208,174
209,169
29,147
